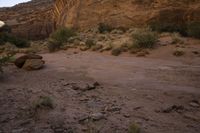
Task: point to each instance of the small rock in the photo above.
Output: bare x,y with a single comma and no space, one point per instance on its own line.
141,54
83,87
195,104
96,84
137,108
97,116
191,117
113,109
116,31
173,108
83,119
21,130
97,47
83,98
126,115
195,52
82,44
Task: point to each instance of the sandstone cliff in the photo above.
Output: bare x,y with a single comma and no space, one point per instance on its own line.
85,14
32,20
38,18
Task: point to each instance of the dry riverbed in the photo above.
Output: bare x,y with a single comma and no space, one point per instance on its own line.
95,92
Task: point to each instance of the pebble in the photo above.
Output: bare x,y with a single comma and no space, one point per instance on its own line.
97,116
194,104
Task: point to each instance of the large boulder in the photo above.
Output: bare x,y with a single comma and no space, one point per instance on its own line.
33,64
19,62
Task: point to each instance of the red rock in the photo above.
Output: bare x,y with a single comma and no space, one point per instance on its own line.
19,62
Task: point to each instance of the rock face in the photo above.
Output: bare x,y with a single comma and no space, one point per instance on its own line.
32,20
38,18
84,14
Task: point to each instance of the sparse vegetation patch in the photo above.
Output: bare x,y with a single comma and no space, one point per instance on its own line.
104,28
193,29
43,102
178,53
134,128
19,42
144,38
176,39
59,37
62,34
4,59
116,51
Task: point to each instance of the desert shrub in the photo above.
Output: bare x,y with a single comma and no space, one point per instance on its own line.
143,1
89,43
62,35
134,128
134,50
4,59
144,38
53,45
19,42
6,29
104,28
176,39
97,47
178,52
169,27
43,102
193,29
116,51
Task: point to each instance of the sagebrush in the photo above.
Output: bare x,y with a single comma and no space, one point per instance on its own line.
144,38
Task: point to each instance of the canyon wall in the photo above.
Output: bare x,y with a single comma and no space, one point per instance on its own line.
38,18
32,20
84,14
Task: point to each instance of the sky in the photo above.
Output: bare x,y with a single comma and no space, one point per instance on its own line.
9,3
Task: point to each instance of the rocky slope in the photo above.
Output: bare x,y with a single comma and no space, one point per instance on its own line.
32,20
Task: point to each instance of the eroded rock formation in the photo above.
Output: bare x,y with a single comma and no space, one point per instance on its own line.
32,20
38,18
85,14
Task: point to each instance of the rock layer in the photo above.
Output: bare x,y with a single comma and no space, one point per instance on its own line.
38,18
32,20
84,14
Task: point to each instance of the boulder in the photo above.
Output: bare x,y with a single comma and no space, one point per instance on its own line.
33,64
19,62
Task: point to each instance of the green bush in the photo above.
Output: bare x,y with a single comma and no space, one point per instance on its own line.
19,42
104,28
193,29
144,38
62,35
